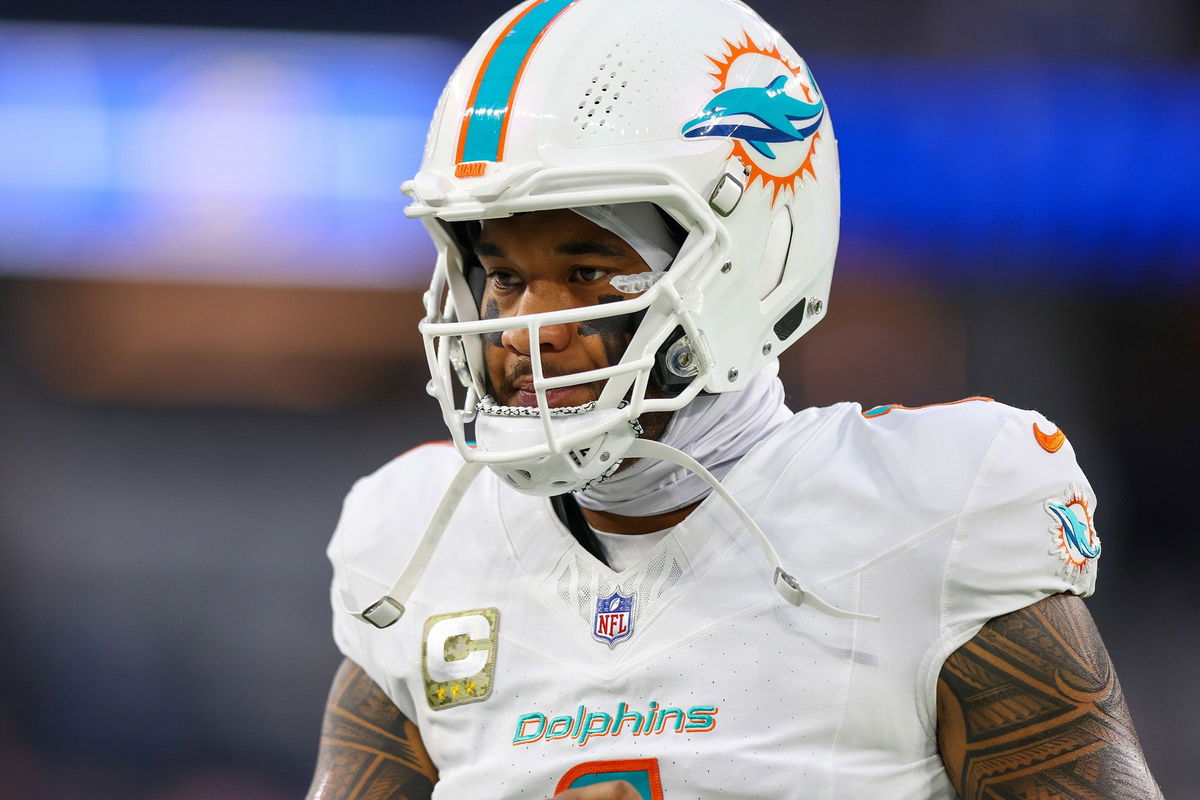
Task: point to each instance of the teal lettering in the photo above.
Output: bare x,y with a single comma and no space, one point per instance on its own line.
669,712
523,722
624,715
559,727
590,728
701,719
649,726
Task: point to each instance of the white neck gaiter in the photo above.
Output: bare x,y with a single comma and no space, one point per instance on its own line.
716,430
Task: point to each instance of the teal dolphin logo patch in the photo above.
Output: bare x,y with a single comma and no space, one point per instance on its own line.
1077,533
1073,533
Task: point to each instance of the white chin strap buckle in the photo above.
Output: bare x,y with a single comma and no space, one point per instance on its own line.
787,586
383,612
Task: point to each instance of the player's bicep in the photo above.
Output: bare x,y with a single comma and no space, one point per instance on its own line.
1031,707
368,748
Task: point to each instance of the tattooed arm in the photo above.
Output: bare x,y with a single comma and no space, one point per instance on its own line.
368,748
1031,709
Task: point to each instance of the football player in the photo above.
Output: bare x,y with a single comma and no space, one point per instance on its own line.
665,584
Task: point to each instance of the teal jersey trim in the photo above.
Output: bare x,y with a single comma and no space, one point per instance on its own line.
488,115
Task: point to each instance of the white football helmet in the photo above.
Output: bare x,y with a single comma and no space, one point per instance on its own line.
697,106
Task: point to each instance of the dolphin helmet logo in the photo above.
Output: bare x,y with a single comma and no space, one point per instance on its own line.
776,113
774,128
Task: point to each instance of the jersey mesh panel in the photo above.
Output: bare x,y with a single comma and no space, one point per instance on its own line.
582,581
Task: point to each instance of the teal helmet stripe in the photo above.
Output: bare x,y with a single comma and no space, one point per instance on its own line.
487,117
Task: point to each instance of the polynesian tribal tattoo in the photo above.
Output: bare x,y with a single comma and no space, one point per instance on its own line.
369,750
1031,709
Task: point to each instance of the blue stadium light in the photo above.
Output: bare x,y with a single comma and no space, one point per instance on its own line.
272,157
213,155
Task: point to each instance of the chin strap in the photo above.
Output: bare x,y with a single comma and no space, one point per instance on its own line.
787,586
389,608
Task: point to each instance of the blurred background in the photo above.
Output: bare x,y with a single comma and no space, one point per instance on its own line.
208,298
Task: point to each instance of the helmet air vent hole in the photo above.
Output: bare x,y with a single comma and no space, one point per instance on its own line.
524,474
791,320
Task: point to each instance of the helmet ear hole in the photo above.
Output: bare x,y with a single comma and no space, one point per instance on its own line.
665,379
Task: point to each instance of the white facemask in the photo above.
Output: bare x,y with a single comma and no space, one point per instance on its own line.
716,430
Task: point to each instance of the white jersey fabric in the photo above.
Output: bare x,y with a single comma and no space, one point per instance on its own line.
935,519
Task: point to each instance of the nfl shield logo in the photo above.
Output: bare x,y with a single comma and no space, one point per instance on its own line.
614,618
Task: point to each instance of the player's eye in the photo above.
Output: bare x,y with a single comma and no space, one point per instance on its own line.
590,274
502,279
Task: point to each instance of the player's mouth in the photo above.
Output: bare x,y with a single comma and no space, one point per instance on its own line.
555,398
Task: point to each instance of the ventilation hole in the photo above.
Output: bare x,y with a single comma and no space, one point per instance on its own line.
524,474
561,483
604,88
585,124
601,123
608,110
587,93
624,84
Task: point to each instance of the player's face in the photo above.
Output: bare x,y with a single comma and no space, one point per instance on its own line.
548,261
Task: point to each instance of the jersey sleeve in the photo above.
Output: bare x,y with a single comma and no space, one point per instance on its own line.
363,644
1026,530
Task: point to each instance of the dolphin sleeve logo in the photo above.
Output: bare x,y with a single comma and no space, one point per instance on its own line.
1073,532
759,116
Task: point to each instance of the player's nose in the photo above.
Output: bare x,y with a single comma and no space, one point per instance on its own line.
538,298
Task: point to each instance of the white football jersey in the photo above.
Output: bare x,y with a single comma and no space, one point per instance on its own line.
530,667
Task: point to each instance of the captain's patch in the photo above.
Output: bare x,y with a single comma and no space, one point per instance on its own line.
458,657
